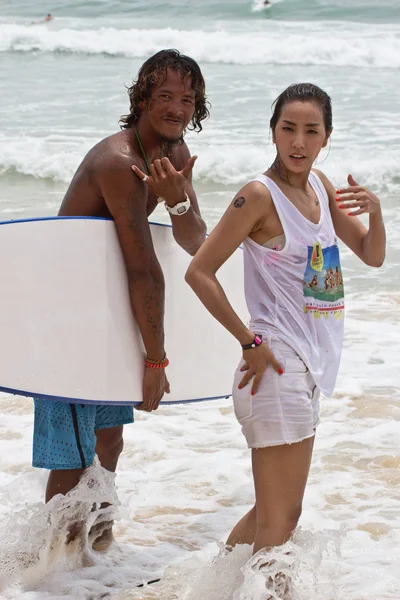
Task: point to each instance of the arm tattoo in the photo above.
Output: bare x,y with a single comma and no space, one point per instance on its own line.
148,305
153,307
238,202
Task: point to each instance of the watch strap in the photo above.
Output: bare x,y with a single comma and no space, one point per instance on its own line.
179,209
256,342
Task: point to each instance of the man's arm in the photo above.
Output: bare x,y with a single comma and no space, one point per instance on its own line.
189,229
170,180
126,199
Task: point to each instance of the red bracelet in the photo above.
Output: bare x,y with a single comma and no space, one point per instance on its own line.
156,364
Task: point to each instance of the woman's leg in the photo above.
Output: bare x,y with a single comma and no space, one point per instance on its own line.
280,476
245,530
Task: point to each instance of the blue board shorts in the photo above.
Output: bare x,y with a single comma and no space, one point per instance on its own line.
64,434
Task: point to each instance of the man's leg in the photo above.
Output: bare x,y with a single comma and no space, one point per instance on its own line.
109,445
108,448
62,482
109,435
66,437
63,442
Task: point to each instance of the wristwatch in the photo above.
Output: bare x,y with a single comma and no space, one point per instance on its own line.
179,209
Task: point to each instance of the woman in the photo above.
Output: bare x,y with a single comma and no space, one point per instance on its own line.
287,220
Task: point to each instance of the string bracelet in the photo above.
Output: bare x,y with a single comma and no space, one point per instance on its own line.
156,364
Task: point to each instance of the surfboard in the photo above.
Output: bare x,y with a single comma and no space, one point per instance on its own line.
67,330
259,6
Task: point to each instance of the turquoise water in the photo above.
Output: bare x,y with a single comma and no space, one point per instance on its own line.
379,11
63,88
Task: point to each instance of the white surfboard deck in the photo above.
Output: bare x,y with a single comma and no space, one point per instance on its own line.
67,330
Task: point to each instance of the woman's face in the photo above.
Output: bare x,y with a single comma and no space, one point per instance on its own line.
300,135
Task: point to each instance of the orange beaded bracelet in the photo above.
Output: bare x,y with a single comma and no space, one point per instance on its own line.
156,364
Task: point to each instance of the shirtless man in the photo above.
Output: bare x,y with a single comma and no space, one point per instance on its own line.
123,177
46,19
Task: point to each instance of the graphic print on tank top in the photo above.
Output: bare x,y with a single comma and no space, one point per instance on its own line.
323,282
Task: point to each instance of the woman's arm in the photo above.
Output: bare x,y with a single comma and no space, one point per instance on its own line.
369,245
244,215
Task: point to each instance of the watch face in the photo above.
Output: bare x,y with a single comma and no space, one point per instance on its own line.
181,210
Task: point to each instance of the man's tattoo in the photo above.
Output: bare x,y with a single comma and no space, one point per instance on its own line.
238,202
152,301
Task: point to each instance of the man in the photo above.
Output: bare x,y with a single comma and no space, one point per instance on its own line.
168,97
49,17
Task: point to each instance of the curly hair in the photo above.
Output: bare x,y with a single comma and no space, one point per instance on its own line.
149,75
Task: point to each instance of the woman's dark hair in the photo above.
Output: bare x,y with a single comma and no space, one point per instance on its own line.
149,75
303,92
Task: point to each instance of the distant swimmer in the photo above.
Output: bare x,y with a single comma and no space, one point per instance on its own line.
47,18
267,3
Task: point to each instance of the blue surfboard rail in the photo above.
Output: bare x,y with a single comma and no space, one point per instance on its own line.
69,218
111,402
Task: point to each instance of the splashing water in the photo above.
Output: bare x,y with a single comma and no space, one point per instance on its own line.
34,540
306,568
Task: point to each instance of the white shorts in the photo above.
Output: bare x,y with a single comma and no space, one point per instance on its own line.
285,408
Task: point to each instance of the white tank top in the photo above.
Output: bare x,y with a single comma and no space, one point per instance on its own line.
297,292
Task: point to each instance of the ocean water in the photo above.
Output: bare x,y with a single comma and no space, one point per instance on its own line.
184,477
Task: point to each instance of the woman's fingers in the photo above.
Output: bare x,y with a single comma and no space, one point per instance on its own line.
246,379
361,211
275,364
256,382
350,189
346,197
255,363
356,204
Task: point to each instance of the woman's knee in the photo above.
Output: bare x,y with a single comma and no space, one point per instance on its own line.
283,519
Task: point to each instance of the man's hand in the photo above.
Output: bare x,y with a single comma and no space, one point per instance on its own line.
165,181
155,384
